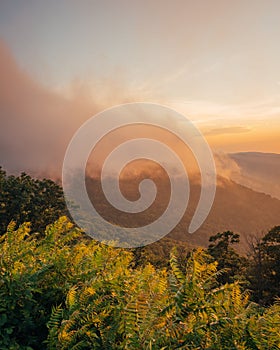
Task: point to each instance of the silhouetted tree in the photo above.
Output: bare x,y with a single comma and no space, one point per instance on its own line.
264,271
232,264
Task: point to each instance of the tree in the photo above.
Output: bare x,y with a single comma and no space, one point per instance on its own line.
255,269
64,292
264,271
24,199
231,263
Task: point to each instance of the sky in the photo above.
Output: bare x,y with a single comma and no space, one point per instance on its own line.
61,61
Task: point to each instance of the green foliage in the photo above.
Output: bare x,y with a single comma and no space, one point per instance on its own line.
229,262
117,309
158,253
24,199
271,250
18,272
61,290
152,309
35,275
66,292
264,270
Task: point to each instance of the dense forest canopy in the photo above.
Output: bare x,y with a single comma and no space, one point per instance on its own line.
25,199
61,290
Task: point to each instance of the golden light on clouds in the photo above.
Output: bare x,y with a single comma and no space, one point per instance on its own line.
216,62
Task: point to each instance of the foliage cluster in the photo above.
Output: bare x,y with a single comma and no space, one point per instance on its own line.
25,199
63,291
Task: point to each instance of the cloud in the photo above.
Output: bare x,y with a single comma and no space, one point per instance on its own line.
227,130
203,111
226,166
37,123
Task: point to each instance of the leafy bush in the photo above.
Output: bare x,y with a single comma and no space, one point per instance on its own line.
36,274
64,291
152,309
25,199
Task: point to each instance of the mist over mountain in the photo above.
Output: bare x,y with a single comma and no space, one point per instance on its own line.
236,208
239,209
259,171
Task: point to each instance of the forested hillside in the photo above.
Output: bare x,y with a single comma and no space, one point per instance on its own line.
236,208
60,289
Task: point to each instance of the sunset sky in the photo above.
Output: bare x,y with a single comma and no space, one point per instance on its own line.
216,61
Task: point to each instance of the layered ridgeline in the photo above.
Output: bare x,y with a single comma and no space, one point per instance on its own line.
236,208
61,290
259,171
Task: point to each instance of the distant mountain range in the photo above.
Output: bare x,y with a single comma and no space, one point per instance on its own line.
236,208
247,200
259,171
